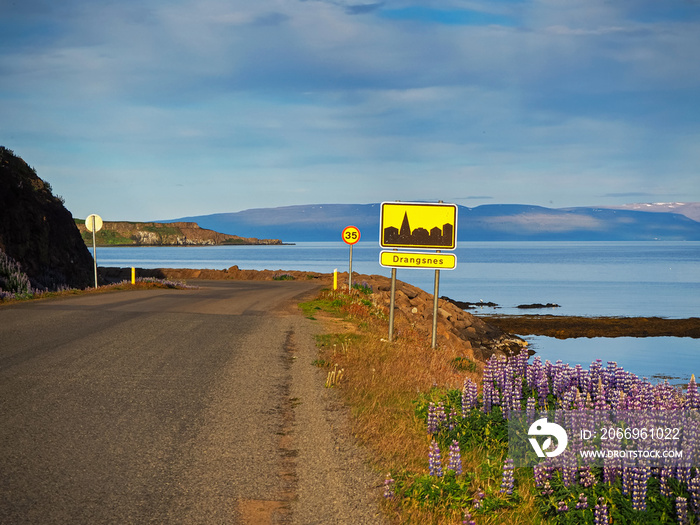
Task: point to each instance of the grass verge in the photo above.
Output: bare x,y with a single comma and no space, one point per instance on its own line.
142,283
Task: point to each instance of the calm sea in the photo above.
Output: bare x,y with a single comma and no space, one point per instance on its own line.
584,278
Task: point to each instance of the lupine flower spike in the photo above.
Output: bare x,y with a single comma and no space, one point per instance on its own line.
434,460
389,487
508,480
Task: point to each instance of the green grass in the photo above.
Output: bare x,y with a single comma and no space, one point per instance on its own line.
309,308
106,238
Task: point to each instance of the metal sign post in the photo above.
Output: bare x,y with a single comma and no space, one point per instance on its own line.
436,294
351,236
94,224
391,304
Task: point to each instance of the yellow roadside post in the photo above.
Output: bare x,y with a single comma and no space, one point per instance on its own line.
335,279
133,275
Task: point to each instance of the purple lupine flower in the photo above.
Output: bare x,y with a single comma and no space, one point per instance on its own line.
432,419
470,394
601,512
586,476
478,497
389,486
467,519
562,507
547,489
694,490
507,397
640,476
508,481
627,474
622,381
611,469
452,419
542,386
682,510
530,409
436,417
582,502
434,460
455,456
517,395
568,468
531,372
664,476
541,474
594,371
440,414
600,398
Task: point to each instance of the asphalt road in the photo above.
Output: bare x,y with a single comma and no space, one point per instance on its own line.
173,406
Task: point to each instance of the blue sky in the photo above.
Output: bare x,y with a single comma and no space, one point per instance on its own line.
142,110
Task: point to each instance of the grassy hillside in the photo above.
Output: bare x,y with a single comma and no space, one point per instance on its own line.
161,234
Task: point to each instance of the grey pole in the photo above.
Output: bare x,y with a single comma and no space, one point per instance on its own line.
391,304
94,249
435,307
350,272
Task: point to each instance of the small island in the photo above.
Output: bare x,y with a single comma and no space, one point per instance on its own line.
122,233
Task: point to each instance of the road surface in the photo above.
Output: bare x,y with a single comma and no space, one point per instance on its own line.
173,406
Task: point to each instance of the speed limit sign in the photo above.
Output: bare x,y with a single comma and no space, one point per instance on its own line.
351,235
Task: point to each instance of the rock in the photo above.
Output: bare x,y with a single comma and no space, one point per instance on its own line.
538,305
456,328
37,231
469,306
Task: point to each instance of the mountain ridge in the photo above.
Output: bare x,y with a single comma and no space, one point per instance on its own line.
489,222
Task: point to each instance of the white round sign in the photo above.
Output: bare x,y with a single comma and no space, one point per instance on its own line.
93,223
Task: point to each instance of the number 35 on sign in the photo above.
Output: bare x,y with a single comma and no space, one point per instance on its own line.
351,235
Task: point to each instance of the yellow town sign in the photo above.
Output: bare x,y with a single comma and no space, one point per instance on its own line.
418,225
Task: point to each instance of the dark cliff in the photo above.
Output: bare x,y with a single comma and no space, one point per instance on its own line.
37,231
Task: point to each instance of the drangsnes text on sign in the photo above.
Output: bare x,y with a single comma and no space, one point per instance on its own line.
437,261
418,226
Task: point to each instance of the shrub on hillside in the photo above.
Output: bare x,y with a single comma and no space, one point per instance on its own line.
13,281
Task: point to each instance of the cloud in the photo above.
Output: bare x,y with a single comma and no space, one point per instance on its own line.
539,222
525,101
634,194
474,198
361,9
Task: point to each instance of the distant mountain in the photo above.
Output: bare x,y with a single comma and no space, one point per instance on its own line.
322,222
689,209
493,222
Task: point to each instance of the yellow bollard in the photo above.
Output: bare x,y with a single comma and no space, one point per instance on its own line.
133,275
335,279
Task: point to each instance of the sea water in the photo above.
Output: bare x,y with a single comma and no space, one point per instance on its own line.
585,278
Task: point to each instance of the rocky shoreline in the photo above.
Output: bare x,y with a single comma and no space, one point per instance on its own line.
564,327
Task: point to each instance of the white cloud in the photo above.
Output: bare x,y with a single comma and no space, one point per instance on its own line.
244,92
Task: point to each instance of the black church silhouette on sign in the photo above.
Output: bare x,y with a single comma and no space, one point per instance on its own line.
404,236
